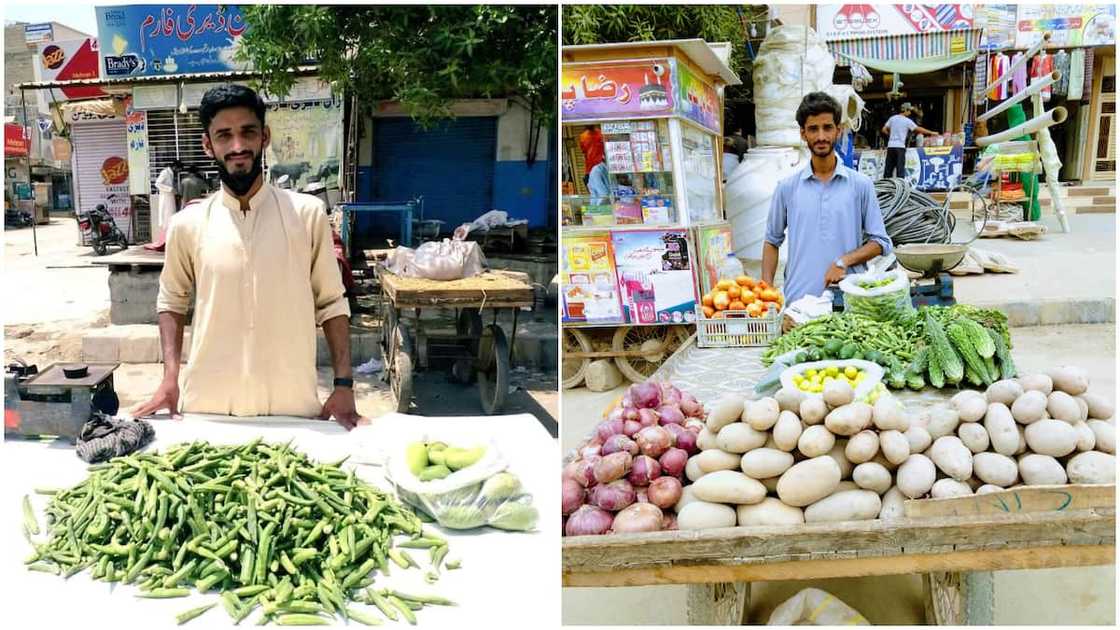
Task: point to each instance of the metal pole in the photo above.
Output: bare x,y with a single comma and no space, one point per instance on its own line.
34,219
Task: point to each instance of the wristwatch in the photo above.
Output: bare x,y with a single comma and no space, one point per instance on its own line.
344,382
839,262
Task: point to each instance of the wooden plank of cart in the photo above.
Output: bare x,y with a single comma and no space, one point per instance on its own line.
954,543
477,349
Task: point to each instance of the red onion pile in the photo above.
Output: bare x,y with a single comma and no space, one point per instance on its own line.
630,474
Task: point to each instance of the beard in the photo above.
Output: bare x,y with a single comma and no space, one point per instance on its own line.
821,151
240,183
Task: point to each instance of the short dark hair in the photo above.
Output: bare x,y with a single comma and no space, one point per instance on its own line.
817,103
227,96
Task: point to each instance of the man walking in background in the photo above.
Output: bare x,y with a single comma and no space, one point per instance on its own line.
898,127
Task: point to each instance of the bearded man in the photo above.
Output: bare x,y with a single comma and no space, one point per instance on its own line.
260,263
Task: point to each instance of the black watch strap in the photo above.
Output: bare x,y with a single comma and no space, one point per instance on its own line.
344,382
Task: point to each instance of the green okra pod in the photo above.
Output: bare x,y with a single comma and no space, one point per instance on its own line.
188,615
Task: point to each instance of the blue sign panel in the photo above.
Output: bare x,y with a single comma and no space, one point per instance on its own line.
161,39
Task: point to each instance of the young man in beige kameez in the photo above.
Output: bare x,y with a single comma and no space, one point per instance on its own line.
260,262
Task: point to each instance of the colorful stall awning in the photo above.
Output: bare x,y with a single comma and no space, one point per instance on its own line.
948,44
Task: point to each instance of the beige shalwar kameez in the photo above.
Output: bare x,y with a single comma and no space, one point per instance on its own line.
263,279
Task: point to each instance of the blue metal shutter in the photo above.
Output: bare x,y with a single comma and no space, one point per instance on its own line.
451,165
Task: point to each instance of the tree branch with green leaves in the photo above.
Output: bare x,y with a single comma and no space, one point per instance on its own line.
425,57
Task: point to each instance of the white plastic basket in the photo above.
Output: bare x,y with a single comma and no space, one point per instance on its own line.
873,370
737,329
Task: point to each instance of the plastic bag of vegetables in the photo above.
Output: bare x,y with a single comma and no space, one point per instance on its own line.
881,296
459,484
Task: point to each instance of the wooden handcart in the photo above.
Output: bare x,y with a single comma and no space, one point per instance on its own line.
954,543
476,349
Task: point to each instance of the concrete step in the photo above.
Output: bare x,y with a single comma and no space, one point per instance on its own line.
1053,312
139,343
1089,191
1104,209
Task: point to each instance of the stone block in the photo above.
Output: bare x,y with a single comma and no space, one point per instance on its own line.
603,376
139,344
101,346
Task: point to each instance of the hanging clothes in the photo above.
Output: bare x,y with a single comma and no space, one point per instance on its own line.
1087,94
1000,65
1041,66
1076,74
1019,79
981,79
1061,65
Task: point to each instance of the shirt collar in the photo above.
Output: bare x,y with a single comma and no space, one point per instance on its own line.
841,170
255,202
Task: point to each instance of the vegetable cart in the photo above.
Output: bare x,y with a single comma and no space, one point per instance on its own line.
955,543
630,244
478,349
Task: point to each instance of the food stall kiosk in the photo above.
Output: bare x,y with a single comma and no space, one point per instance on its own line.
644,239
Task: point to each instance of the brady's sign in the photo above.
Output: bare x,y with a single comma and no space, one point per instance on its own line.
161,39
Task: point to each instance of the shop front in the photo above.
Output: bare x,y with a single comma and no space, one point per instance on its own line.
1081,47
916,54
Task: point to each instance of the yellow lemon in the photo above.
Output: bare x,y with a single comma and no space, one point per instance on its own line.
833,370
850,371
810,373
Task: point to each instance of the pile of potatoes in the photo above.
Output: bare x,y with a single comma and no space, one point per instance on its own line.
796,459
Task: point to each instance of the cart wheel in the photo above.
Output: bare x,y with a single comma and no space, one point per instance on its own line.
100,248
493,373
469,323
388,342
575,368
657,343
400,375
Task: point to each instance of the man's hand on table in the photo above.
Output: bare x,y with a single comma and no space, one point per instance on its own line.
341,406
166,397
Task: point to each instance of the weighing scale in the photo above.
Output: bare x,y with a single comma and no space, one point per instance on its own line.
57,401
933,261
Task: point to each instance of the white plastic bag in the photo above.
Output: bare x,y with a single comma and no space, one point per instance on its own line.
445,260
484,493
809,308
887,302
814,607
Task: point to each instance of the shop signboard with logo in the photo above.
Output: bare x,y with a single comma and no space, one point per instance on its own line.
1068,24
71,60
696,100
162,39
838,22
16,141
629,89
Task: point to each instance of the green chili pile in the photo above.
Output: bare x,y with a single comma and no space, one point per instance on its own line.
259,524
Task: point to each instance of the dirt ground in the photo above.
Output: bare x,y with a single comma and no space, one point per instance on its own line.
51,299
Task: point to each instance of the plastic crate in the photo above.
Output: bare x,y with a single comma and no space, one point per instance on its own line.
737,329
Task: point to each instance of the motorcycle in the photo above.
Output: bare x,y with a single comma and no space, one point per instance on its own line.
102,230
15,218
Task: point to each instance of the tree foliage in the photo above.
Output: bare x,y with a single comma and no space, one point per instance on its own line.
595,24
423,56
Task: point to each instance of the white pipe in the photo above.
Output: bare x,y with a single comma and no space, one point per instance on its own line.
1022,60
1035,88
1051,164
1053,117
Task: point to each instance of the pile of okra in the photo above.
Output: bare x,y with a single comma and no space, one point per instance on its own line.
260,524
